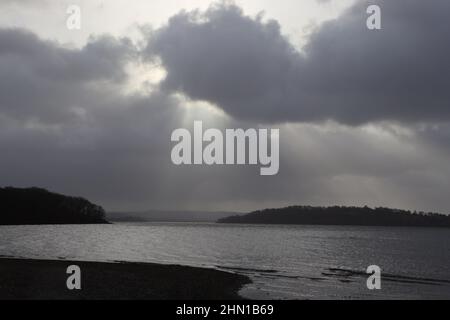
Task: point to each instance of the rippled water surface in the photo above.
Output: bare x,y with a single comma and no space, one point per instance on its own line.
284,262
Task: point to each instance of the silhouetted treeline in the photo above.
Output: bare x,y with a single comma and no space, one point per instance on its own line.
361,216
39,206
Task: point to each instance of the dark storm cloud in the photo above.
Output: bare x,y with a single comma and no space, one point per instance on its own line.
43,81
345,73
243,65
67,124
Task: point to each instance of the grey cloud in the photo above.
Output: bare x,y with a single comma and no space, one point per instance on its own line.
44,81
239,63
345,73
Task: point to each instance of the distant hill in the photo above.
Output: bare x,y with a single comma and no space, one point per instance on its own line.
361,216
168,216
39,206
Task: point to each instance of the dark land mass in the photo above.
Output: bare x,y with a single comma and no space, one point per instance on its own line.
39,206
46,279
359,216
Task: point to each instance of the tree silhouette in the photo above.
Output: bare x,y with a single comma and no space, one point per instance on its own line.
339,215
39,206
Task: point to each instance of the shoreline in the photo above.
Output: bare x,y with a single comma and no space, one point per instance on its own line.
30,279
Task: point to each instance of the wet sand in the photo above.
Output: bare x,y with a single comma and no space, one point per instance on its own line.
46,279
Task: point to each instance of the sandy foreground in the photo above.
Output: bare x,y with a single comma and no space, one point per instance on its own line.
46,279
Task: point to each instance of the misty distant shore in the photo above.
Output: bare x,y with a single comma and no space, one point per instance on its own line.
46,279
169,216
37,206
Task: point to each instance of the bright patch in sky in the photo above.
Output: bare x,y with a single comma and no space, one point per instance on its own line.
120,18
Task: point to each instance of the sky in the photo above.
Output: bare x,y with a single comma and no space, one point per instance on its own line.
364,115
